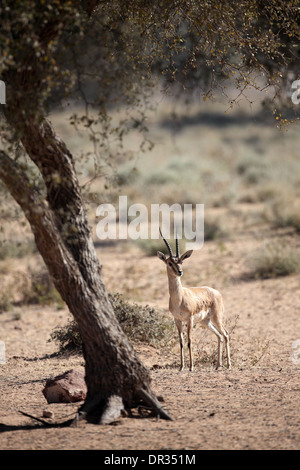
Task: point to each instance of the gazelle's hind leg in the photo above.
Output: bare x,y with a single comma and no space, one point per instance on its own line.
178,323
226,336
219,335
222,334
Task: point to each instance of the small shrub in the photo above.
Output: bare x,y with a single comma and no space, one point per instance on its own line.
140,324
127,176
213,229
268,192
67,337
252,169
285,214
26,288
151,247
6,302
274,260
16,249
161,178
41,290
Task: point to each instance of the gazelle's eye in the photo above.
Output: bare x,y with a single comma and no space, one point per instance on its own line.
170,264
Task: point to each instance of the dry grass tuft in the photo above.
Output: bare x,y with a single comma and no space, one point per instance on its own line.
273,260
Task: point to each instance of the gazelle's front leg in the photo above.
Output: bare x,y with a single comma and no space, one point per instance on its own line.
180,333
189,334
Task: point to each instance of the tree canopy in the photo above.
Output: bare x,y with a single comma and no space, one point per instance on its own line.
108,52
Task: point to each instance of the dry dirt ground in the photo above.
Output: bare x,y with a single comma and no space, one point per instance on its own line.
253,406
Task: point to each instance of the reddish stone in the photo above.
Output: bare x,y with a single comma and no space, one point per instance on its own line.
66,388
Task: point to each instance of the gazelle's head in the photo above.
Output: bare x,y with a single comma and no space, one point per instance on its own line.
173,263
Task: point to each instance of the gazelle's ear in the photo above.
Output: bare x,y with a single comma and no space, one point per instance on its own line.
161,256
185,255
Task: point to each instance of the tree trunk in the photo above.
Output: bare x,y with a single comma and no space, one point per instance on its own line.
114,375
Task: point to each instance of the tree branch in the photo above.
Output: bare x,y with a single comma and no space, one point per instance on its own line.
40,217
19,186
55,162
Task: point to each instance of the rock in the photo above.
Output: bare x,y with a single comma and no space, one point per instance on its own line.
69,387
48,414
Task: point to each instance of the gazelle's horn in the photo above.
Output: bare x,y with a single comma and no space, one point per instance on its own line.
168,246
177,247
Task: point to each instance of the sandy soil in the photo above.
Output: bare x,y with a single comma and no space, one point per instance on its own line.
253,406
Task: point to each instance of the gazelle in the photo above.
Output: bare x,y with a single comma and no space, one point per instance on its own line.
188,304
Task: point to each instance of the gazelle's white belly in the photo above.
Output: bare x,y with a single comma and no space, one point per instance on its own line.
178,315
198,317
